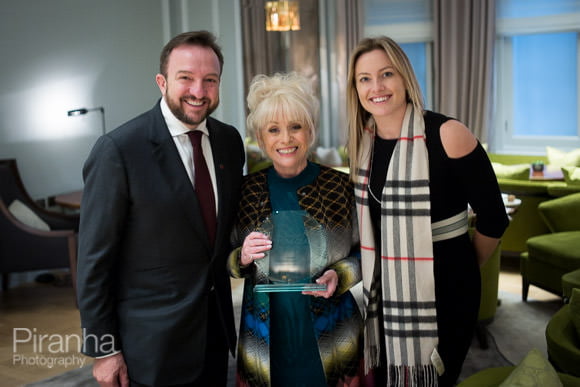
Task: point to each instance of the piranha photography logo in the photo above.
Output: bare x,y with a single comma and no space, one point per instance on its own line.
31,348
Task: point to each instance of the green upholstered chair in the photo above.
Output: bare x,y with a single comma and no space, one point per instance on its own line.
570,281
563,342
489,299
525,223
492,377
489,291
489,286
554,254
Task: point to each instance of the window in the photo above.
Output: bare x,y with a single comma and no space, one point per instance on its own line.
534,80
420,56
537,76
409,23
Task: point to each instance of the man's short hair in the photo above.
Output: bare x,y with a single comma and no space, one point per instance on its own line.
191,38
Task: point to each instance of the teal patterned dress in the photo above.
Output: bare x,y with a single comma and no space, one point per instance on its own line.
289,338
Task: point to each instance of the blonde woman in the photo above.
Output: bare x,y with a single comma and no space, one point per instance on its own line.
415,172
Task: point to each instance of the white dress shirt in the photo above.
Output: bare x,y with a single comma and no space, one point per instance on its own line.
178,132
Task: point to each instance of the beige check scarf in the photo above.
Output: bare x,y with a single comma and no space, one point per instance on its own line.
406,273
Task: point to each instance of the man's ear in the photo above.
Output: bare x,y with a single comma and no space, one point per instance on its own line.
162,83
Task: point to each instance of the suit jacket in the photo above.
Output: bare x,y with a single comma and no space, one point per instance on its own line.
145,265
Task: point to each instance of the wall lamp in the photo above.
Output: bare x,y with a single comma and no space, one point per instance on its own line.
83,111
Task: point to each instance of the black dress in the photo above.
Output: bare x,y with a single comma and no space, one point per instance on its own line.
453,183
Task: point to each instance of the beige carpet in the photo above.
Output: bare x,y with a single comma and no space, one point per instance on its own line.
520,326
517,328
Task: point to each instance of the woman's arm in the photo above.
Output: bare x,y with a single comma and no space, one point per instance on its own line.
481,185
457,140
484,246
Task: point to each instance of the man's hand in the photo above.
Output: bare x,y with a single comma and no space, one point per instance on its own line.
111,371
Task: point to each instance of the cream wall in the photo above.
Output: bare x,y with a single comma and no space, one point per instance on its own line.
59,55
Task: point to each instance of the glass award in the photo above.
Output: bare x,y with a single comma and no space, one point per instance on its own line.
298,254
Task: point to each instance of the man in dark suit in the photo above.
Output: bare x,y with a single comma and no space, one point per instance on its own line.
153,292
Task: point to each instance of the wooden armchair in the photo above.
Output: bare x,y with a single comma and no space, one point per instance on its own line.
12,188
24,248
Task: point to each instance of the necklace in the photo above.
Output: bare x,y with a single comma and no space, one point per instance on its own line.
373,195
371,175
385,149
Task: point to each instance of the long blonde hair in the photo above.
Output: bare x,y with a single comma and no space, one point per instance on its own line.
357,115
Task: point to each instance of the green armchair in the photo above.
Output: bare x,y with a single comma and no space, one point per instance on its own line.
492,377
554,254
489,295
563,342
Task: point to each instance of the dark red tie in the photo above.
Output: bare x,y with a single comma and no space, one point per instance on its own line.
203,186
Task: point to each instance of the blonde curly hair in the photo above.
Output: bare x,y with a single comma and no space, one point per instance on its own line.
290,95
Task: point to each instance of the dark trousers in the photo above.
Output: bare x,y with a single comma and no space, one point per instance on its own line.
215,369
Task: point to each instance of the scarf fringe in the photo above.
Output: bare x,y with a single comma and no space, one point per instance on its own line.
372,339
371,350
409,376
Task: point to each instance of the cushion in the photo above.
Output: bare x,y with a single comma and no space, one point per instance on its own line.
559,158
575,310
515,172
25,215
534,370
571,175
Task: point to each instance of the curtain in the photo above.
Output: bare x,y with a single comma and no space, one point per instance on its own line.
254,40
463,57
268,52
348,30
319,51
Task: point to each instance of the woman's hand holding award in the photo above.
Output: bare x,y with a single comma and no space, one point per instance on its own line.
298,253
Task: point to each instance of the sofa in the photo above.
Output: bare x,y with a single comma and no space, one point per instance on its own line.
526,221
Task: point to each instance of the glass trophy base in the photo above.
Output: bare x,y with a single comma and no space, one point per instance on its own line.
288,287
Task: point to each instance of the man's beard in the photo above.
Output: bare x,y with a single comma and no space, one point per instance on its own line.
180,114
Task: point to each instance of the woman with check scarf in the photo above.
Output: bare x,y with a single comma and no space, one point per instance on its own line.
415,172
